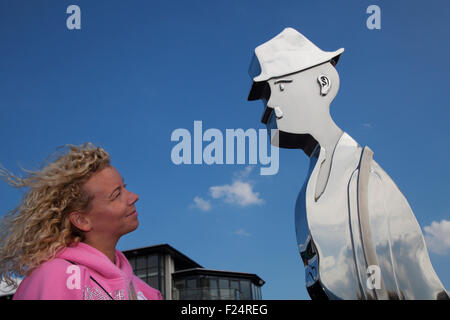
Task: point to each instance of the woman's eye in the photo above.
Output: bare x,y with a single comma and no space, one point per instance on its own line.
117,195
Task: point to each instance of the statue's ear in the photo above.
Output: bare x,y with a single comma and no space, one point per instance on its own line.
325,84
328,80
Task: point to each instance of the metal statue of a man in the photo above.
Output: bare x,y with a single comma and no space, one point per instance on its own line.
356,233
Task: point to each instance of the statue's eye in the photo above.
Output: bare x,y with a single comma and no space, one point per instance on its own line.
282,82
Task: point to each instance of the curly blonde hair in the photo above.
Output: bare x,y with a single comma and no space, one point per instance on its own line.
39,226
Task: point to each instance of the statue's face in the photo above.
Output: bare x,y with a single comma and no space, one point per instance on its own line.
300,101
297,104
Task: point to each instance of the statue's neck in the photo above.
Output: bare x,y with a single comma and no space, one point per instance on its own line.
327,136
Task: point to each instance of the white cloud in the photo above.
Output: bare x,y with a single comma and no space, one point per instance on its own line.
242,233
202,204
367,125
239,192
437,236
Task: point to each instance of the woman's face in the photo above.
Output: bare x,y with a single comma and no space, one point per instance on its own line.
111,212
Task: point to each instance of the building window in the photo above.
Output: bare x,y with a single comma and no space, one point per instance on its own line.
246,293
256,290
224,288
214,289
160,263
150,269
204,287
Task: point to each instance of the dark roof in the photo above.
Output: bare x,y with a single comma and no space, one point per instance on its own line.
181,261
219,273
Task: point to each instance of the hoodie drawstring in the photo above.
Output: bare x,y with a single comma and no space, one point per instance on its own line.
94,281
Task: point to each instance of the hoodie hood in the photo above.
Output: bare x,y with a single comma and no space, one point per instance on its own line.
81,272
84,255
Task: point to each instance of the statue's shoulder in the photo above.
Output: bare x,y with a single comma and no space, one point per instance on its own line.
347,153
347,142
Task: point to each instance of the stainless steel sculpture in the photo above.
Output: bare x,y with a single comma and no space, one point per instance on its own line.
356,233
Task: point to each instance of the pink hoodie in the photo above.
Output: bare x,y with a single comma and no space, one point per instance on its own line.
89,275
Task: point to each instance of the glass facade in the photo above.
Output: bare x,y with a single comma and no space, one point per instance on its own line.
207,287
150,268
178,277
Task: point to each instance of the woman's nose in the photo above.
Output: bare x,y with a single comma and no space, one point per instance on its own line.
133,198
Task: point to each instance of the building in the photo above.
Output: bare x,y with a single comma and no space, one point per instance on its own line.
205,284
178,277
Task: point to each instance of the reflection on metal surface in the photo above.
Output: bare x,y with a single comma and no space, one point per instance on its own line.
356,233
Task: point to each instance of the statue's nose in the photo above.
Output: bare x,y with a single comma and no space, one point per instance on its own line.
278,112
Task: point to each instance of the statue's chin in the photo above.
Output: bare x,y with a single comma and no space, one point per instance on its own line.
287,140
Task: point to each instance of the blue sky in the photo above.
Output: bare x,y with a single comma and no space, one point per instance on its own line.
138,70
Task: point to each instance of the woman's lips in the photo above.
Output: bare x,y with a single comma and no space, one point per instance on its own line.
134,213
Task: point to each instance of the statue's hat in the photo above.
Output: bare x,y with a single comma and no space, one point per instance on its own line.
286,53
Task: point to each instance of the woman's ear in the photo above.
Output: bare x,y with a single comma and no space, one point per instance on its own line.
80,221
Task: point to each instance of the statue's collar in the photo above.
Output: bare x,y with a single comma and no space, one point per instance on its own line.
324,158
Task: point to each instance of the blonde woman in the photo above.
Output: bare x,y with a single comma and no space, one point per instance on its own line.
63,235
